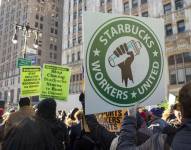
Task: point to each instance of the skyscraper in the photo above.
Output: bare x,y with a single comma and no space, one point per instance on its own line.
42,15
177,16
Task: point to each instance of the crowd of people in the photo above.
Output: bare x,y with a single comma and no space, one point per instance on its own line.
41,128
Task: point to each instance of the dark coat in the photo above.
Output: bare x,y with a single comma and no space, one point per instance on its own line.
127,138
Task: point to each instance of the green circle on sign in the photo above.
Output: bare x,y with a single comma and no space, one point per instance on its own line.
101,80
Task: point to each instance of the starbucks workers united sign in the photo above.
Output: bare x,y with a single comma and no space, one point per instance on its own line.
124,61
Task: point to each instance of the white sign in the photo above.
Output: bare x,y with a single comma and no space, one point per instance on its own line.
124,61
172,99
31,51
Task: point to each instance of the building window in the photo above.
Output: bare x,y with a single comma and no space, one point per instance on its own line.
50,55
145,14
39,52
52,30
55,56
181,26
188,74
41,26
75,15
80,12
74,28
134,3
79,39
80,27
56,31
168,29
73,78
55,47
101,2
37,16
67,59
73,57
78,56
171,60
74,42
178,4
143,1
11,95
109,1
36,25
56,23
75,2
51,46
167,8
126,7
18,94
187,57
179,59
181,76
41,18
5,96
172,77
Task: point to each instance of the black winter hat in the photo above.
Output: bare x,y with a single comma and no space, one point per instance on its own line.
47,109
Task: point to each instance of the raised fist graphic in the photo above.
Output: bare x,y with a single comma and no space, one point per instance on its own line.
123,57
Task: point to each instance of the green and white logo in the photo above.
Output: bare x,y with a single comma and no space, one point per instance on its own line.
124,61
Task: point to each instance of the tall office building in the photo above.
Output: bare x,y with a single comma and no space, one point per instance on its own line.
44,15
177,16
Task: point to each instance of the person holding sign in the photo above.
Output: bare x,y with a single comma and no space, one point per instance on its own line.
175,140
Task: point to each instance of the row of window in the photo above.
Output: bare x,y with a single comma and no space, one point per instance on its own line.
9,82
180,28
11,94
134,2
79,14
76,77
179,4
179,58
75,2
74,57
180,76
53,47
38,25
75,88
53,55
75,28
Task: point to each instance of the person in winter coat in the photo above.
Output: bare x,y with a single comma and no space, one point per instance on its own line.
30,134
157,122
46,110
25,110
178,140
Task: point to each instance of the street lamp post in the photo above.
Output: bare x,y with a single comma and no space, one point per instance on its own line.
27,30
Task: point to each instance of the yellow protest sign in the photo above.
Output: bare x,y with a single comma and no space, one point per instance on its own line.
55,82
111,120
30,80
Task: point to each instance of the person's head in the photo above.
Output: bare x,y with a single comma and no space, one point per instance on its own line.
24,101
59,112
165,115
185,100
47,109
72,114
29,134
156,113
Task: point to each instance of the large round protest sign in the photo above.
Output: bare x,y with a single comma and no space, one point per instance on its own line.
124,61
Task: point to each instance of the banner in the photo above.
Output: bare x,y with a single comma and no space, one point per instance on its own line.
124,62
30,80
112,121
55,82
